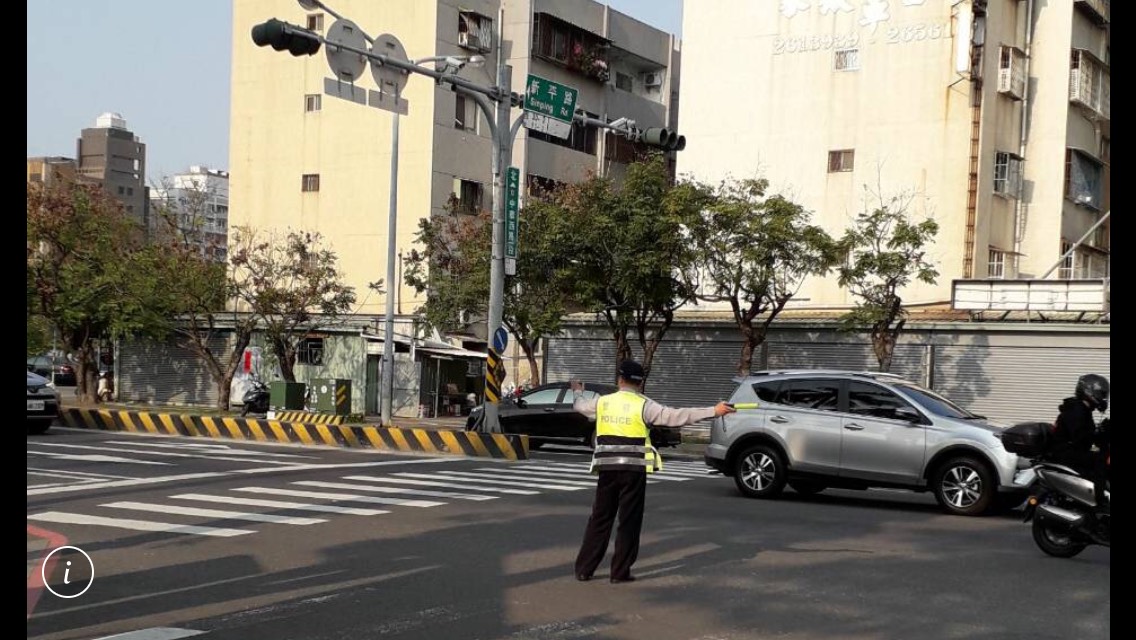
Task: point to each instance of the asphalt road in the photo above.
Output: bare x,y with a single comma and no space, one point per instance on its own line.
327,544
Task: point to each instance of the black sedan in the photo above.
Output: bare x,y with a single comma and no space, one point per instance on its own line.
546,415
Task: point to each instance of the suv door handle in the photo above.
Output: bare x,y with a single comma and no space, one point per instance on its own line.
852,426
779,419
550,409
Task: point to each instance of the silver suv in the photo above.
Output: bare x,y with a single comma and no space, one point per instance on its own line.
814,429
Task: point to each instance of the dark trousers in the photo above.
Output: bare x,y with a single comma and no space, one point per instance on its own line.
622,491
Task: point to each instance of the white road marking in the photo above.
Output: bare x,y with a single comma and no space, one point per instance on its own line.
135,525
168,454
340,497
210,448
114,484
82,474
220,514
280,504
393,490
476,479
434,483
92,457
157,633
547,473
506,475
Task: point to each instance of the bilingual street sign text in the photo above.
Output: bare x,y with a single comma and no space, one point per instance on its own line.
512,203
549,106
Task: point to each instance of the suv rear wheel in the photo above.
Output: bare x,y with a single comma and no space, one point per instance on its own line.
759,472
964,486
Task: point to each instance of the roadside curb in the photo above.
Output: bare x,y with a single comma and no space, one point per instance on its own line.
445,442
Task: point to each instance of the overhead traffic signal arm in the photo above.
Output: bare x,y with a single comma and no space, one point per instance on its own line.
283,36
653,136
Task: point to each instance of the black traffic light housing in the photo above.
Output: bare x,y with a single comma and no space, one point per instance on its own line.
282,36
664,139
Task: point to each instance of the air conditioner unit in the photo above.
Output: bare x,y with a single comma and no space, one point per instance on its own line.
469,40
653,80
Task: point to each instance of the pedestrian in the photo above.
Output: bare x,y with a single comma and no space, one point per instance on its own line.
622,458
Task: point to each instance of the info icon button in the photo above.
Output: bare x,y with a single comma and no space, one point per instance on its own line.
68,572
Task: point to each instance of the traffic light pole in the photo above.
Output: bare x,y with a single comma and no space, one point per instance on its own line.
387,382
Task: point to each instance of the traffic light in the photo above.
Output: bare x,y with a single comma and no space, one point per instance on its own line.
664,139
283,36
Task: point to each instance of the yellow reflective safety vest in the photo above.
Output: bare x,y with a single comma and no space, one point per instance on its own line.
623,439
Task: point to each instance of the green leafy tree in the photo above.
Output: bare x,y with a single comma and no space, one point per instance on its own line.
90,272
886,252
202,295
626,251
452,268
291,284
754,252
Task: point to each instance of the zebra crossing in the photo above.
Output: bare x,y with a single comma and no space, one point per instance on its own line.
311,502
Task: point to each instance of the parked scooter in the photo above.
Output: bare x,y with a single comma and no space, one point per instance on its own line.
255,399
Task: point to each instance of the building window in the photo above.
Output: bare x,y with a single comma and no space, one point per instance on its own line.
1007,174
624,81
469,195
315,22
463,119
121,190
541,187
576,48
996,264
313,102
1012,72
475,31
311,182
1083,175
310,352
130,191
846,59
582,137
1089,82
841,160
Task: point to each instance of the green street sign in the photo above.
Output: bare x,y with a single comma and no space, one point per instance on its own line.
551,99
512,203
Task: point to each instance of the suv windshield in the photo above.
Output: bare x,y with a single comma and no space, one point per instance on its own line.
936,403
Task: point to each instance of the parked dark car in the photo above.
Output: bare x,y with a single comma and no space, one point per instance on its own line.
545,414
43,403
44,365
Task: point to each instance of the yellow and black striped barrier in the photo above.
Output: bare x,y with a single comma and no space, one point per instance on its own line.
492,379
355,436
308,417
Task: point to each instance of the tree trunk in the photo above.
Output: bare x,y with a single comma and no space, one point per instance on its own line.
883,343
286,359
622,349
87,371
225,383
529,348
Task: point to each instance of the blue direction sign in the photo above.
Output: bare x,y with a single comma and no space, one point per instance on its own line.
500,339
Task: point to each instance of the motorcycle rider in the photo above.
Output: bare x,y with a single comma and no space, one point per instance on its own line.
1075,432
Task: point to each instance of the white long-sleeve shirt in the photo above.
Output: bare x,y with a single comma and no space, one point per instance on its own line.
654,414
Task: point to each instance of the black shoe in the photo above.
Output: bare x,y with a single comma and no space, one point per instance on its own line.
622,580
583,578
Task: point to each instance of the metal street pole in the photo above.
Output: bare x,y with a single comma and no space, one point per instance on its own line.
387,391
502,154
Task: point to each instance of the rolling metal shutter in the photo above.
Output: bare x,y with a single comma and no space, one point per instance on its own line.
908,360
1015,383
160,372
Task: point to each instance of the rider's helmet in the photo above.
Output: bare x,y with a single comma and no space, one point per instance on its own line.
1093,389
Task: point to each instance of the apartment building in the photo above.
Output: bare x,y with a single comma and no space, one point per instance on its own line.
111,155
991,115
196,204
303,159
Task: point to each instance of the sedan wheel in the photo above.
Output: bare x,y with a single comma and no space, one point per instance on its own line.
759,472
964,486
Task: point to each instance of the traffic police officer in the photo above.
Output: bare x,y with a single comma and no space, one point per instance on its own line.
623,457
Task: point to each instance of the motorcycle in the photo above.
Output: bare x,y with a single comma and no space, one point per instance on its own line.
255,399
1064,510
1062,505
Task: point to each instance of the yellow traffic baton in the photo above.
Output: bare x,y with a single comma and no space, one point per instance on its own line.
743,405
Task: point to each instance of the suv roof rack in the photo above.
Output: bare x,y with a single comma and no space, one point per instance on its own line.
814,372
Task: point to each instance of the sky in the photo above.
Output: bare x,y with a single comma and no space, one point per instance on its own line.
163,65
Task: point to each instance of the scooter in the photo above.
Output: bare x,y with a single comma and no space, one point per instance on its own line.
255,399
1065,514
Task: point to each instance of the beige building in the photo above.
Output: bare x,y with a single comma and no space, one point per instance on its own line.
303,159
836,101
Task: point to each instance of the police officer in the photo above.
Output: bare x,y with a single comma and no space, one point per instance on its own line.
623,457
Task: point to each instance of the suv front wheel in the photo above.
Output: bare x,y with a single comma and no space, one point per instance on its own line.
964,486
759,472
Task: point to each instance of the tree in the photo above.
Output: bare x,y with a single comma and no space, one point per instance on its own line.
90,273
291,283
453,270
626,251
754,252
202,295
886,251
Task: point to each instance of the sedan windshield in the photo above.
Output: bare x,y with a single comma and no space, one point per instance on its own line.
936,403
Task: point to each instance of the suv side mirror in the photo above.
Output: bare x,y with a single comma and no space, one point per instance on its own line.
908,414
